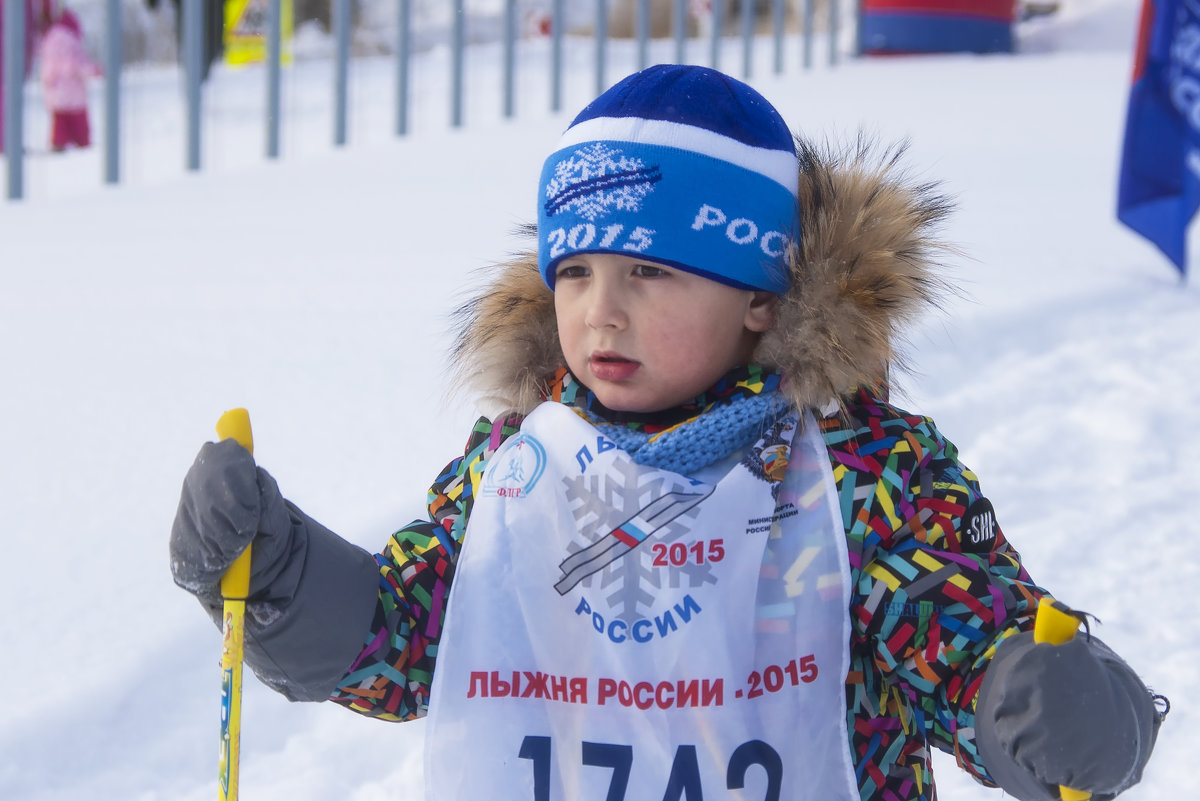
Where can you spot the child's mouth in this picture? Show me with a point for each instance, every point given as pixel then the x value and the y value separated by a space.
pixel 612 366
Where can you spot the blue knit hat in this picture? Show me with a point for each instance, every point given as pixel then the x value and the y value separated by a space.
pixel 682 165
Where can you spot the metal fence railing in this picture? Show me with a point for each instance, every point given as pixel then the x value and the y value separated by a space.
pixel 776 24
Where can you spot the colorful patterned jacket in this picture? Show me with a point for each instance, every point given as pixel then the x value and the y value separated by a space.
pixel 937 586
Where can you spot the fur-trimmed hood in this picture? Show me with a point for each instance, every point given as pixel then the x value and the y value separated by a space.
pixel 866 264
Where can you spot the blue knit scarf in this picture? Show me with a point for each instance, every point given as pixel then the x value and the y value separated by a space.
pixel 728 417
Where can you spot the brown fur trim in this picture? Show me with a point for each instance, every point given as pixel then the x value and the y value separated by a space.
pixel 866 265
pixel 506 350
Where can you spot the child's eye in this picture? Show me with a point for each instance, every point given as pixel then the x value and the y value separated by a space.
pixel 649 271
pixel 571 271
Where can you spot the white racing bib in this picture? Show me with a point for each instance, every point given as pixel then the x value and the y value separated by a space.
pixel 619 632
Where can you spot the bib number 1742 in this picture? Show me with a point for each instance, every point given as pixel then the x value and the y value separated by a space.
pixel 683 782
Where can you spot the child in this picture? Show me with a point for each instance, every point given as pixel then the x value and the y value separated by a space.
pixel 699 553
pixel 65 68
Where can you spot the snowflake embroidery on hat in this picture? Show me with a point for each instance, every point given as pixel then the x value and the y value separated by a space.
pixel 596 180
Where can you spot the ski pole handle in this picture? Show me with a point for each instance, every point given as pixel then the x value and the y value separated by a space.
pixel 1056 625
pixel 235 586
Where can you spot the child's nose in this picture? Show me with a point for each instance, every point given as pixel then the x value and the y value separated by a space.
pixel 605 308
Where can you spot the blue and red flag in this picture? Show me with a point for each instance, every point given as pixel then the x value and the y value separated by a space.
pixel 1159 188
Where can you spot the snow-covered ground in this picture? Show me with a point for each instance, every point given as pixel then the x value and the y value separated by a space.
pixel 315 290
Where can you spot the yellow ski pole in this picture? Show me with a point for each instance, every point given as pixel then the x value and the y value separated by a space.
pixel 1056 625
pixel 235 586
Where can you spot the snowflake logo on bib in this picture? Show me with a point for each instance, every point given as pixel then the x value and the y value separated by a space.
pixel 596 180
pixel 620 516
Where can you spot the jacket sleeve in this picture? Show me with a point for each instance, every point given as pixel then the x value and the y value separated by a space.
pixel 937 586
pixel 391 676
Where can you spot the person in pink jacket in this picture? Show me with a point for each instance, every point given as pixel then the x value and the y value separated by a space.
pixel 65 68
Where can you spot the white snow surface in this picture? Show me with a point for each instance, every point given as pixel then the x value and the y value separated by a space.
pixel 316 291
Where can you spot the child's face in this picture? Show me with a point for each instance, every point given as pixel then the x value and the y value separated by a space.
pixel 646 337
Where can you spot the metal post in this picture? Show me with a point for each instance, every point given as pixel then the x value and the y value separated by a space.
pixel 510 56
pixel 193 68
pixel 777 21
pixel 403 40
pixel 748 38
pixel 458 27
pixel 556 55
pixel 858 42
pixel 274 78
pixel 112 92
pixel 679 29
pixel 601 46
pixel 14 97
pixel 341 68
pixel 808 33
pixel 643 33
pixel 718 12
pixel 834 24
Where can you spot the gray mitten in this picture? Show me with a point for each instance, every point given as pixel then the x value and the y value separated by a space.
pixel 1073 715
pixel 312 594
pixel 227 502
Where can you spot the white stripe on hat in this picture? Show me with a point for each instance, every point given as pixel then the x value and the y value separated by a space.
pixel 780 166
